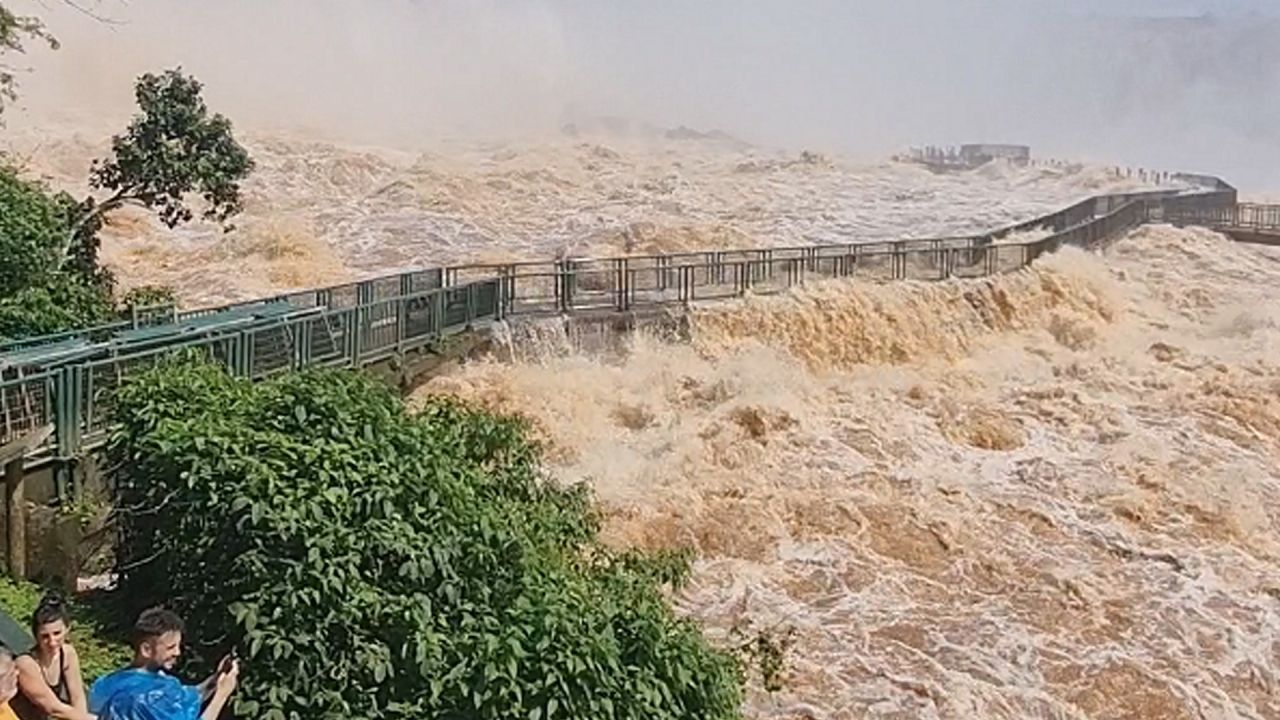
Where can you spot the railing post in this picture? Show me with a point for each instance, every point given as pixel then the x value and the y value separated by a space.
pixel 237 358
pixel 508 286
pixel 437 313
pixel 619 272
pixel 795 271
pixel 471 305
pixel 67 435
pixel 499 298
pixel 302 343
pixel 364 298
pixel 16 517
pixel 66 409
pixel 570 284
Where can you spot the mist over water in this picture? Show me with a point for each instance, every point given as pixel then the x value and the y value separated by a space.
pixel 1132 83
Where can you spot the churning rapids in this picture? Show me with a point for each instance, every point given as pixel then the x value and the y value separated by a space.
pixel 1050 494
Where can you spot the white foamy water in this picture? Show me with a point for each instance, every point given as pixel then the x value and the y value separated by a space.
pixel 1047 495
pixel 320 213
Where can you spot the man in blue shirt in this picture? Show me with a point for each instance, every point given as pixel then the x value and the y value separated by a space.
pixel 146 691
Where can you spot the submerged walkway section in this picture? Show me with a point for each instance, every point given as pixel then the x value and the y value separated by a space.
pixel 55 391
pixel 1246 222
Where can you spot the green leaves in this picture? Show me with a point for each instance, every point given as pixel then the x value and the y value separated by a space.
pixel 174 147
pixel 50 278
pixel 149 295
pixel 372 563
pixel 40 291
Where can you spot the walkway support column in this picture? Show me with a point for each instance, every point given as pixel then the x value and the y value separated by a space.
pixel 15 503
pixel 13 458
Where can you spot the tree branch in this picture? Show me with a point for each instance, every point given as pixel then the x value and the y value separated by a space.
pixel 86 12
pixel 98 210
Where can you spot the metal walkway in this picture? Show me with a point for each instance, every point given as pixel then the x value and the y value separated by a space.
pixel 64 382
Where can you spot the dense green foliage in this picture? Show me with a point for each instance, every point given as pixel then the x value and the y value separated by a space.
pixel 372 563
pixel 40 291
pixel 149 295
pixel 99 653
pixel 174 147
pixel 50 278
pixel 32 231
pixel 60 302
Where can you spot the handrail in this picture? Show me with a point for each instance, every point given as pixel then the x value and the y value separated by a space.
pixel 361 323
pixel 351 294
pixel 72 397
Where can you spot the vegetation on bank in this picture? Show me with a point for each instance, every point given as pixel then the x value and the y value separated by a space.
pixel 362 560
pixel 174 149
pixel 369 562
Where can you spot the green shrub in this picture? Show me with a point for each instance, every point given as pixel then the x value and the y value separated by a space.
pixel 38 294
pixel 371 563
pixel 149 295
pixel 60 303
pixel 33 229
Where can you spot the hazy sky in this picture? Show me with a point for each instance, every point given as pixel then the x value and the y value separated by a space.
pixel 846 76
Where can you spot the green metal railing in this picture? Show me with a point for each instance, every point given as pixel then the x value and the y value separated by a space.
pixel 74 397
pixel 358 324
pixel 1243 216
pixel 132 318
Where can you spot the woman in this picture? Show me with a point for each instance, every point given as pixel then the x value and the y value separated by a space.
pixel 49 677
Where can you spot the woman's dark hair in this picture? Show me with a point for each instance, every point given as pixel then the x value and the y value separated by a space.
pixel 51 609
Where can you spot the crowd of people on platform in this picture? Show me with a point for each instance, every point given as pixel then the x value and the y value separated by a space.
pixel 45 682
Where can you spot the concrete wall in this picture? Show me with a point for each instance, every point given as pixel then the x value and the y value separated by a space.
pixel 63 544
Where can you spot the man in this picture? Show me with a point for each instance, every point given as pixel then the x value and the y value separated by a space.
pixel 146 691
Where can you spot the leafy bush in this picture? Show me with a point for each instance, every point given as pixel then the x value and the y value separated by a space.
pixel 32 232
pixel 99 653
pixel 149 295
pixel 37 294
pixel 371 563
pixel 60 303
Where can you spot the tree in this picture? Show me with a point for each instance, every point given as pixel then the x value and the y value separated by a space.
pixel 173 148
pixel 32 224
pixel 50 278
pixel 15 30
pixel 41 290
